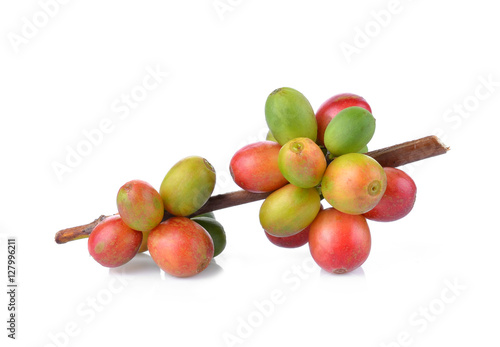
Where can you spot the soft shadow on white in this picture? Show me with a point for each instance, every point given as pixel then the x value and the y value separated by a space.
pixel 213 269
pixel 141 265
pixel 357 274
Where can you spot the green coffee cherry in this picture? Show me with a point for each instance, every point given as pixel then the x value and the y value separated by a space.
pixel 289 115
pixel 349 131
pixel 187 186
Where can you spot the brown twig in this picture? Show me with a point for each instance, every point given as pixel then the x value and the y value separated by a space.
pixel 392 156
pixel 409 152
pixel 79 232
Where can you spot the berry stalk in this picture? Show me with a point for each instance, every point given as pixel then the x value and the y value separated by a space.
pixel 393 156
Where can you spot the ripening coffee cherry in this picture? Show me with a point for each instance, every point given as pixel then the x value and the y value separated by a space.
pixel 289 210
pixel 112 243
pixel 302 162
pixel 181 247
pixel 140 205
pixel 216 231
pixel 187 186
pixel 339 242
pixel 331 107
pixel 349 131
pixel 255 168
pixel 290 115
pixel 354 183
pixel 398 199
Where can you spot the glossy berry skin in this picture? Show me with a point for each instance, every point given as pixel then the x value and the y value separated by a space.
pixel 350 131
pixel 216 231
pixel 140 205
pixel 398 199
pixel 181 247
pixel 289 210
pixel 187 186
pixel 112 243
pixel 293 241
pixel 354 183
pixel 255 168
pixel 290 115
pixel 334 105
pixel 339 242
pixel 302 162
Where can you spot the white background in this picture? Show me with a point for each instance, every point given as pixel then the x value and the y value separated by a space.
pixel 66 72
